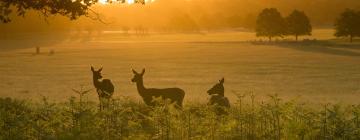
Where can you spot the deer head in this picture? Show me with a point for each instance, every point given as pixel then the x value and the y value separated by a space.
pixel 96 73
pixel 218 88
pixel 137 76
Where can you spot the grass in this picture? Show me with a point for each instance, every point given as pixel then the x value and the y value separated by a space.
pixel 321 71
pixel 127 119
pixel 318 83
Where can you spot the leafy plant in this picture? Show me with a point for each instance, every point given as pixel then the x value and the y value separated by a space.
pixel 127 119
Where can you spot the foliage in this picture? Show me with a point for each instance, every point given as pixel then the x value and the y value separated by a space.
pixel 347 25
pixel 72 9
pixel 298 24
pixel 270 23
pixel 126 119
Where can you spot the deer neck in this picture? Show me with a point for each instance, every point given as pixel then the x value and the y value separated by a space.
pixel 96 82
pixel 140 87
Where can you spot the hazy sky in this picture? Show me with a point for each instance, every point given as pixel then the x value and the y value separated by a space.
pixel 185 15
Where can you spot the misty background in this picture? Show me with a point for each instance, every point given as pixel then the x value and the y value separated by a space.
pixel 182 16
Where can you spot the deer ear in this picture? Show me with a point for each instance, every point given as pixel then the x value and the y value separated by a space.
pixel 143 71
pixel 92 68
pixel 134 71
pixel 100 69
pixel 222 81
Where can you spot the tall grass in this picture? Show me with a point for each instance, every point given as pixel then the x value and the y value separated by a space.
pixel 80 119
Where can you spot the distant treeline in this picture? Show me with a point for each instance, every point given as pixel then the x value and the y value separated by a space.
pixel 270 23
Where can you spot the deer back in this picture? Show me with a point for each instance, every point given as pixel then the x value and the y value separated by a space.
pixel 106 88
pixel 219 100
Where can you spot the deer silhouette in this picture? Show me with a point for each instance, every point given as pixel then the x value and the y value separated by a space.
pixel 217 95
pixel 175 95
pixel 104 87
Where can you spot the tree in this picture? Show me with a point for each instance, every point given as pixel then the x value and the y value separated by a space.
pixel 72 9
pixel 298 24
pixel 270 23
pixel 348 24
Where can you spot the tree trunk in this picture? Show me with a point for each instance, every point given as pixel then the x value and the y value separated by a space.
pixel 351 38
pixel 269 38
pixel 296 38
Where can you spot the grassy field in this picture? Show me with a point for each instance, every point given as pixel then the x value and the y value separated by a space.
pixel 321 71
pixel 278 90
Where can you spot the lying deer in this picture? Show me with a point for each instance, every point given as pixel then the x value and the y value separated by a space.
pixel 217 95
pixel 104 87
pixel 175 95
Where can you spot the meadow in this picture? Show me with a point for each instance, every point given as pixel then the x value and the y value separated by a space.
pixel 319 71
pixel 278 90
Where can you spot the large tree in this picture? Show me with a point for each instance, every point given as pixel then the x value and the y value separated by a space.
pixel 270 23
pixel 348 24
pixel 298 24
pixel 72 9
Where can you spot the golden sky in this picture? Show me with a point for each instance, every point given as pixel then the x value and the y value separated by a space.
pixel 185 14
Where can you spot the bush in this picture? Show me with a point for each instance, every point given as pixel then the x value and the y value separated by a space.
pixel 126 119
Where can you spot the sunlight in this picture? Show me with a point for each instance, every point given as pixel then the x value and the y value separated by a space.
pixel 103 1
pixel 180 69
pixel 149 1
pixel 131 1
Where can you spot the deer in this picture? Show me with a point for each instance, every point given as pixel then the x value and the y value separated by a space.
pixel 104 87
pixel 175 95
pixel 217 97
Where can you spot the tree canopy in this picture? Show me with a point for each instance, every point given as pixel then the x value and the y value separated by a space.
pixel 270 23
pixel 348 24
pixel 298 24
pixel 72 9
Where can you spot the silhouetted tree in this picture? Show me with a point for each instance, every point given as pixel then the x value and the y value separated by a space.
pixel 270 23
pixel 348 24
pixel 72 9
pixel 298 24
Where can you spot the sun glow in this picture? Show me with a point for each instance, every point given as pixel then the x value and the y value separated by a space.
pixel 127 1
pixel 131 1
pixel 103 1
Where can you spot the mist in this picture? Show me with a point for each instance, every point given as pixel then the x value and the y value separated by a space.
pixel 182 16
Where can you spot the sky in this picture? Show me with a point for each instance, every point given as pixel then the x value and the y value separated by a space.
pixel 183 15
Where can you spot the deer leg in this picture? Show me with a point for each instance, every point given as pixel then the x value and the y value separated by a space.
pixel 100 103
pixel 107 103
pixel 103 103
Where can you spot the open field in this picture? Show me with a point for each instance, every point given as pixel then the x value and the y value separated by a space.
pixel 324 71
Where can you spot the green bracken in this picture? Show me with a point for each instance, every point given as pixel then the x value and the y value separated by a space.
pixel 126 119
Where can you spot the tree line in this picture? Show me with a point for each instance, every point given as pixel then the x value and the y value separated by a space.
pixel 348 24
pixel 270 23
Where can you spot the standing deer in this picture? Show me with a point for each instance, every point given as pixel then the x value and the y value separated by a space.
pixel 217 95
pixel 104 87
pixel 175 95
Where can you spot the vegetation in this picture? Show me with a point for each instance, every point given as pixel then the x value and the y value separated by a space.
pixel 126 119
pixel 72 9
pixel 270 23
pixel 298 24
pixel 347 25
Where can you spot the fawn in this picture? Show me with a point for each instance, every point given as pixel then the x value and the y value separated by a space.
pixel 217 95
pixel 104 87
pixel 175 95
